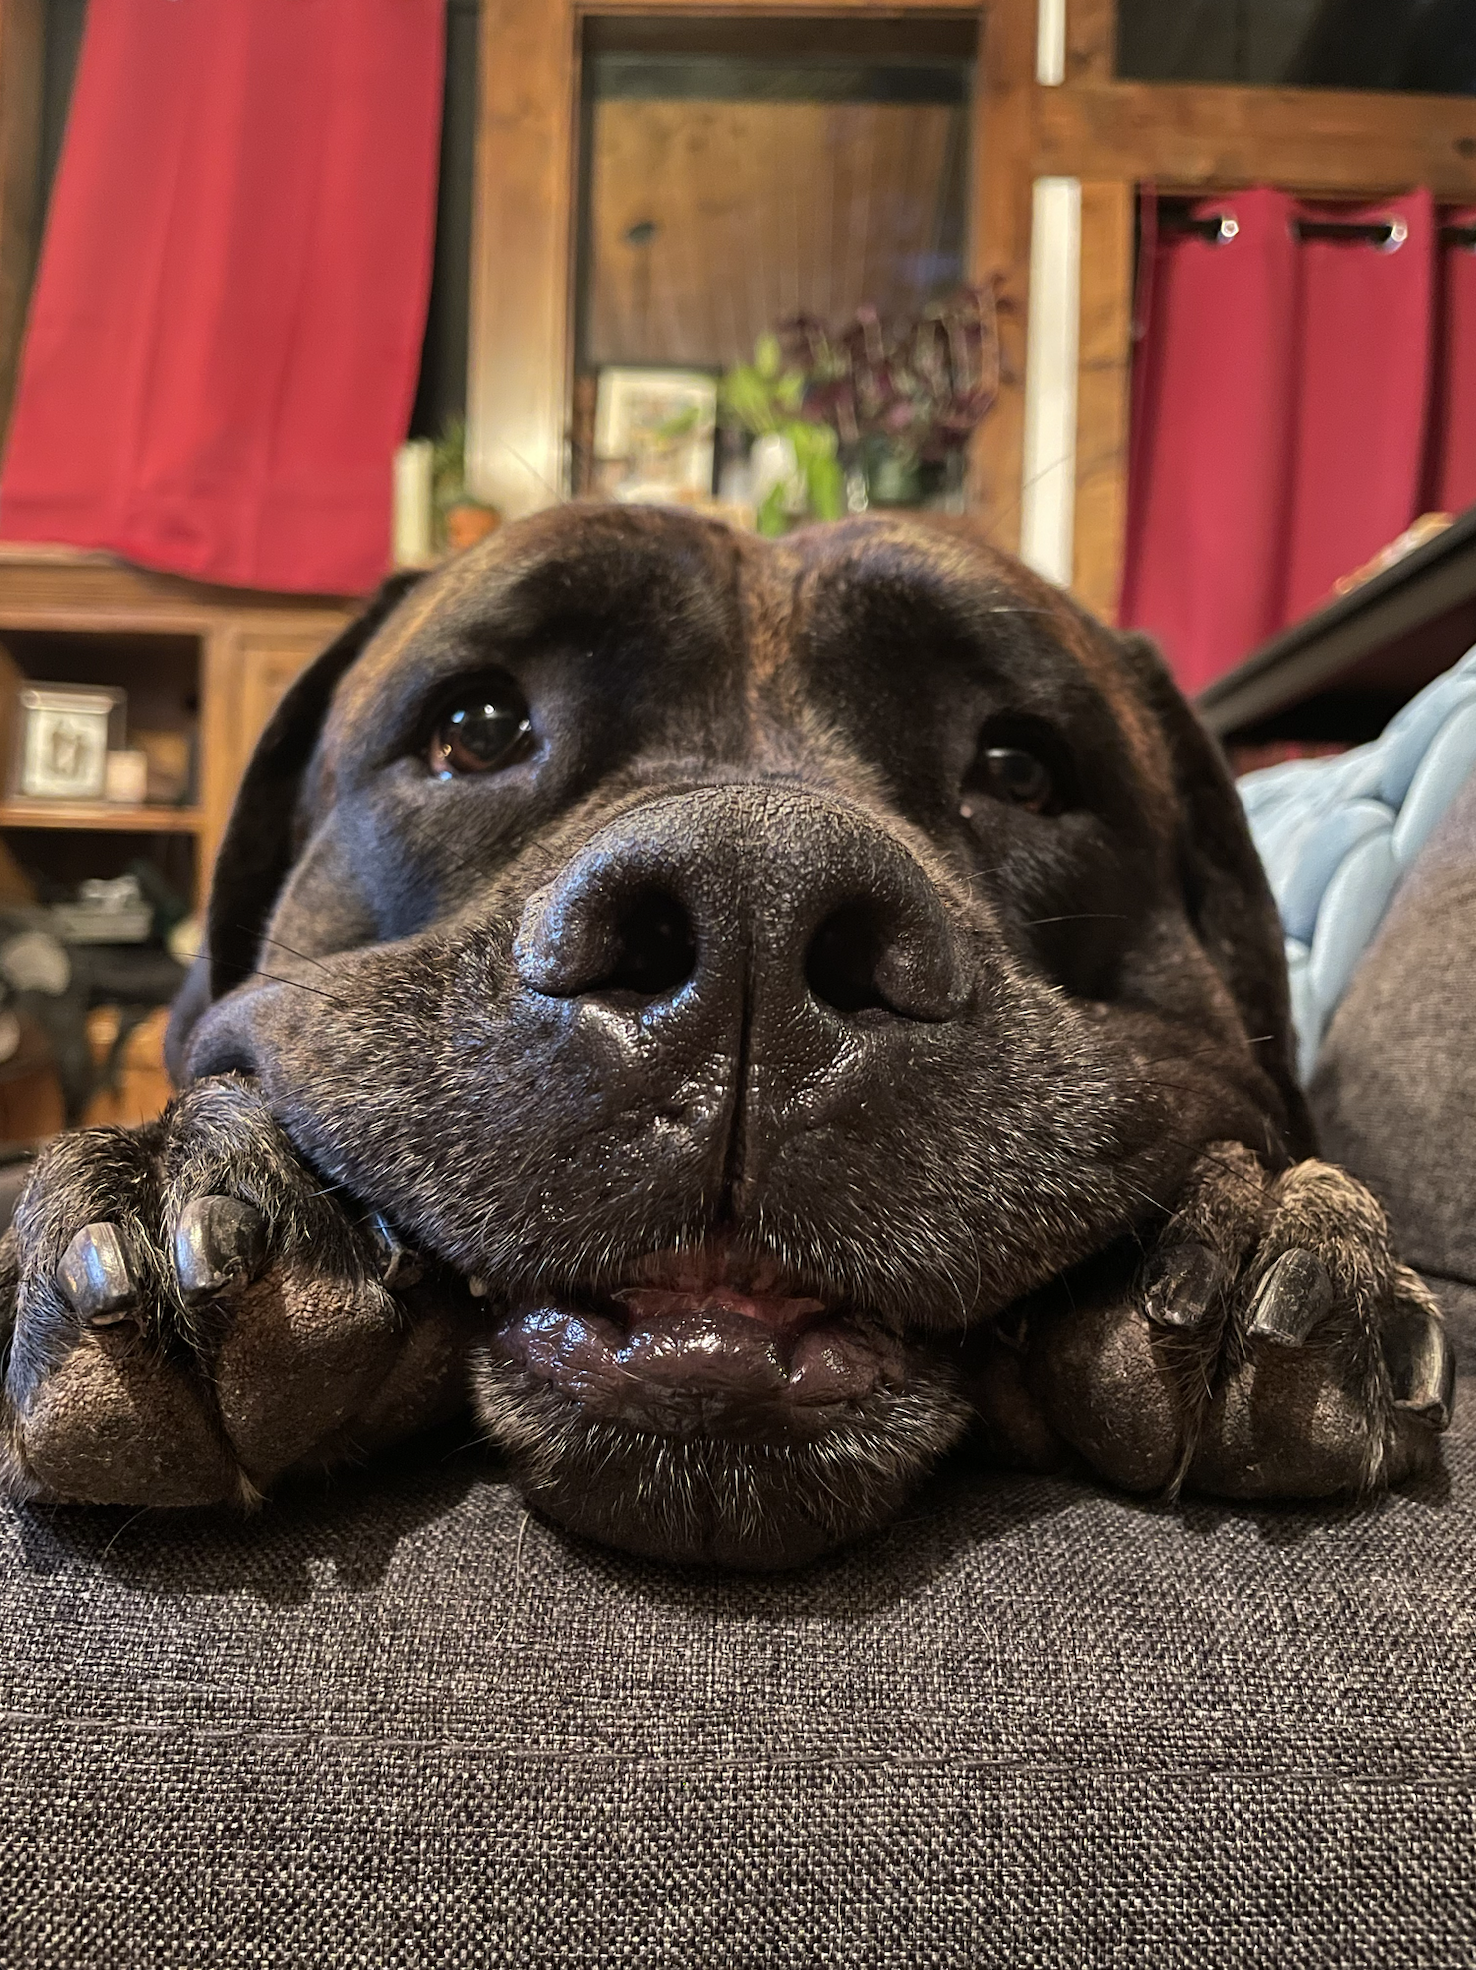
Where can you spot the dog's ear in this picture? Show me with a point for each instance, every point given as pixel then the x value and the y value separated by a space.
pixel 1225 889
pixel 260 837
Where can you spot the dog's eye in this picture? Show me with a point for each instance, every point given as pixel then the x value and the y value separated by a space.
pixel 485 732
pixel 1009 773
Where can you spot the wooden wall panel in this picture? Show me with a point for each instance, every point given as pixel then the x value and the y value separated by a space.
pixel 1004 150
pixel 1104 379
pixel 249 662
pixel 761 211
pixel 518 376
pixel 1091 40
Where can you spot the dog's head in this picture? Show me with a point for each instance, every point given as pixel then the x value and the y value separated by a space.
pixel 755 965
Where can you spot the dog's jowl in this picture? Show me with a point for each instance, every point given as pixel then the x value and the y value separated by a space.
pixel 747 1018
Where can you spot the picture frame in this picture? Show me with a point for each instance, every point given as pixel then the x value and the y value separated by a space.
pixel 65 734
pixel 655 435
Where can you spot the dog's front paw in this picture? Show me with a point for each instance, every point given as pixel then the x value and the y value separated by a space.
pixel 191 1315
pixel 1270 1347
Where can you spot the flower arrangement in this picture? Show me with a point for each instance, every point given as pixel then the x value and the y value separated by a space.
pixel 874 414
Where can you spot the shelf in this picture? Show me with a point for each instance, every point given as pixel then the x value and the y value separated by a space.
pixel 101 817
pixel 1398 630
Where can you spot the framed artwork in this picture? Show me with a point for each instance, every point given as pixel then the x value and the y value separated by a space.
pixel 64 736
pixel 655 431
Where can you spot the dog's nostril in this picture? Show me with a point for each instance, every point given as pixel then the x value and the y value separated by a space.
pixel 655 949
pixel 844 959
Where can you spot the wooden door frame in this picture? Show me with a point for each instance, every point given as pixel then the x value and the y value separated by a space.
pixel 1047 109
pixel 520 375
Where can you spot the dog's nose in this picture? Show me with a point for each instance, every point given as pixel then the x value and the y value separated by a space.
pixel 791 899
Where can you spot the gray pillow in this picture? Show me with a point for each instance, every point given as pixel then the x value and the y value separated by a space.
pixel 1394 1093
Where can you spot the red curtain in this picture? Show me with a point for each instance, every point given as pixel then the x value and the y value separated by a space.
pixel 1451 481
pixel 1282 415
pixel 1362 366
pixel 1212 400
pixel 226 326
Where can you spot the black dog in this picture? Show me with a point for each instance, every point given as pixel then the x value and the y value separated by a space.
pixel 751 1014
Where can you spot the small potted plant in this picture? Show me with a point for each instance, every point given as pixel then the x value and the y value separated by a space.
pixel 461 520
pixel 794 471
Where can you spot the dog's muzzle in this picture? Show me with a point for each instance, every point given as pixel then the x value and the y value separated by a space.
pixel 750 961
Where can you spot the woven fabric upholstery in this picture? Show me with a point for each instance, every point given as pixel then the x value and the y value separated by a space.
pixel 399 1724
pixel 1395 1090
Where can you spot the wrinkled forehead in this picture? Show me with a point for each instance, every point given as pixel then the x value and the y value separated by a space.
pixel 575 576
pixel 689 604
pixel 935 597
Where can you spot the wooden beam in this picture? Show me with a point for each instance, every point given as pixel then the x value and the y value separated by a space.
pixel 522 254
pixel 1339 141
pixel 1103 389
pixel 1004 145
pixel 22 50
pixel 1091 40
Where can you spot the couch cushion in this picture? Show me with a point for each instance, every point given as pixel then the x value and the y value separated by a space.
pixel 1394 1094
pixel 1338 837
pixel 400 1723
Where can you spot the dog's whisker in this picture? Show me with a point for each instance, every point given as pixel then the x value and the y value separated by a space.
pixel 559 498
pixel 306 956
pixel 1079 916
pixel 316 990
pixel 1004 509
pixel 133 1519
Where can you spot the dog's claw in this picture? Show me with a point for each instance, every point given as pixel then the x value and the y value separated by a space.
pixel 94 1276
pixel 398 1265
pixel 1421 1365
pixel 218 1245
pixel 1292 1298
pixel 1181 1285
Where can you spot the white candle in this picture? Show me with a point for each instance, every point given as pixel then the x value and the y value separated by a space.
pixel 414 540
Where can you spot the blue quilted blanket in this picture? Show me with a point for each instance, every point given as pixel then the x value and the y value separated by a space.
pixel 1338 835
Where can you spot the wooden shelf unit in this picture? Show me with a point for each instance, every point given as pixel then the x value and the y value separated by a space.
pixel 95 816
pixel 1344 670
pixel 239 649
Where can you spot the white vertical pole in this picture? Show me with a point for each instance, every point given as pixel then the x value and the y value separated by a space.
pixel 1048 497
pixel 1050 42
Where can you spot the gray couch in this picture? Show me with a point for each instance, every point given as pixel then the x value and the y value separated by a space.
pixel 399 1723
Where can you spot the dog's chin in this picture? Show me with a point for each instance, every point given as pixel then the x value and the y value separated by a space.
pixel 688 1418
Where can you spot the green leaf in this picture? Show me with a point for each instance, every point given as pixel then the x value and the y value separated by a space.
pixel 772 519
pixel 745 396
pixel 768 357
pixel 789 391
pixel 827 485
